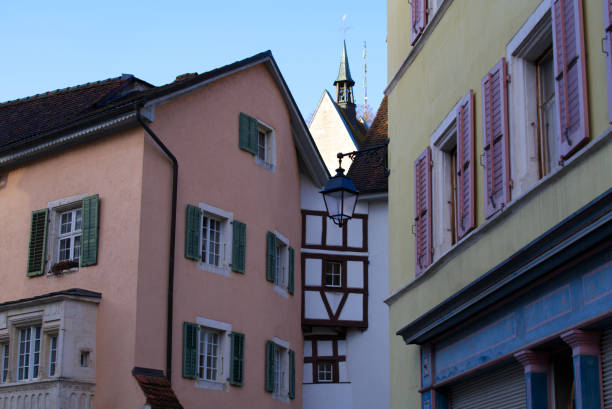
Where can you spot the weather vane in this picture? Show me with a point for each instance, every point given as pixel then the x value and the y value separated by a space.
pixel 344 28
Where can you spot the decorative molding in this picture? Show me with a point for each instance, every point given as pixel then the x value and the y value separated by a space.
pixel 583 342
pixel 532 361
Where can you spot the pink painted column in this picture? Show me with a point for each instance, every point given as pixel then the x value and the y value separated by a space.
pixel 586 354
pixel 535 364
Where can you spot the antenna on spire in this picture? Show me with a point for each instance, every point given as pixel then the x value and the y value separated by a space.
pixel 365 82
pixel 344 28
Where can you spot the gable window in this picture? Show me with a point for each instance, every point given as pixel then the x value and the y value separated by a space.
pixel 333 274
pixel 215 240
pixel 258 139
pixel 4 362
pixel 29 353
pixel 280 260
pixel 52 354
pixel 69 241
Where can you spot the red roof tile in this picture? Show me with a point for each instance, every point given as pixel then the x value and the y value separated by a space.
pixel 156 388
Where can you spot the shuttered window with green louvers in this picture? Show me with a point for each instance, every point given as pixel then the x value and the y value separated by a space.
pixel 237 359
pixel 291 374
pixel 239 247
pixel 190 349
pixel 270 366
pixel 192 232
pixel 38 241
pixel 291 269
pixel 270 257
pixel 90 225
pixel 248 133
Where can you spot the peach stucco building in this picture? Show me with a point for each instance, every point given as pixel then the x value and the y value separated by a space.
pixel 87 181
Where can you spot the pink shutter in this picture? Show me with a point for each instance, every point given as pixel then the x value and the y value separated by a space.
pixel 570 75
pixel 495 138
pixel 466 219
pixel 422 211
pixel 418 19
pixel 607 4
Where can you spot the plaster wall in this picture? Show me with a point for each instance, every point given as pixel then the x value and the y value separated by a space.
pixel 201 129
pixel 331 134
pixel 330 395
pixel 424 95
pixel 112 168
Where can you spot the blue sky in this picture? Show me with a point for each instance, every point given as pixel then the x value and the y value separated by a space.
pixel 49 45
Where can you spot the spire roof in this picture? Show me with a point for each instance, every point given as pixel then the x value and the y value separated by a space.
pixel 344 75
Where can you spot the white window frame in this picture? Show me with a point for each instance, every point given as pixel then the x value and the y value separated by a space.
pixel 325 372
pixel 223 331
pixel 52 363
pixel 333 274
pixel 4 361
pixel 281 269
pixel 528 44
pixel 56 208
pixel 225 257
pixel 30 355
pixel 71 235
pixel 269 160
pixel 281 372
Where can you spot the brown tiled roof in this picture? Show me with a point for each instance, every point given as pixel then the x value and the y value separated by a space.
pixel 156 388
pixel 25 118
pixel 370 177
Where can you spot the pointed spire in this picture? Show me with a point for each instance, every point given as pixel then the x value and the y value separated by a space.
pixel 344 75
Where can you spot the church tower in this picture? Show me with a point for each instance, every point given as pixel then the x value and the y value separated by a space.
pixel 344 87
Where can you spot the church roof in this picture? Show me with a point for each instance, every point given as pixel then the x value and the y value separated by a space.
pixel 344 75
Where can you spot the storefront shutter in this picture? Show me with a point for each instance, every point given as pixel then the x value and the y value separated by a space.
pixel 237 359
pixel 270 256
pixel 418 19
pixel 270 366
pixel 500 388
pixel 238 246
pixel 495 138
pixel 291 374
pixel 606 367
pixel 465 166
pixel 38 242
pixel 192 232
pixel 422 211
pixel 607 12
pixel 291 270
pixel 89 243
pixel 190 349
pixel 570 75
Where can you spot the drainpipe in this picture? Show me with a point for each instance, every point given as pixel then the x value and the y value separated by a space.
pixel 172 243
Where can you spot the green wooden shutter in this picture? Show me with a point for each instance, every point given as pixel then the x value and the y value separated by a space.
pixel 239 247
pixel 248 133
pixel 237 359
pixel 190 349
pixel 192 232
pixel 270 366
pixel 89 240
pixel 291 374
pixel 38 242
pixel 271 257
pixel 291 269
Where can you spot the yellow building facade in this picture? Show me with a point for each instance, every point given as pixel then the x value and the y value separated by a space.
pixel 489 72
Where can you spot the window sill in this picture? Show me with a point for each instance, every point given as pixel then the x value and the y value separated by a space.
pixel 212 385
pixel 281 290
pixel 506 211
pixel 266 165
pixel 224 271
pixel 51 274
pixel 283 398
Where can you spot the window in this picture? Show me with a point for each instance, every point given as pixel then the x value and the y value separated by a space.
pixel 265 152
pixel 52 354
pixel 280 369
pixel 215 240
pixel 280 260
pixel 84 359
pixel 213 354
pixel 29 353
pixel 4 362
pixel 258 139
pixel 548 129
pixel 325 371
pixel 69 241
pixel 333 274
pixel 64 235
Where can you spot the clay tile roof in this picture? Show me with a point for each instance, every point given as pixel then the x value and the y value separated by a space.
pixel 156 388
pixel 25 118
pixel 369 177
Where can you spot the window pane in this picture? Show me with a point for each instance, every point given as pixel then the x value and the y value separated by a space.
pixel 325 372
pixel 36 334
pixel 77 223
pixel 64 249
pixel 52 354
pixel 66 223
pixel 549 152
pixel 333 271
pixel 214 242
pixel 4 363
pixel 204 238
pixel 76 253
pixel 261 146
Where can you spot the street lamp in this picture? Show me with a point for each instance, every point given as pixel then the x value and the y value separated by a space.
pixel 340 194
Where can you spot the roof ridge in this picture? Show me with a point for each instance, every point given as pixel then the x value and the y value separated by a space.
pixel 63 90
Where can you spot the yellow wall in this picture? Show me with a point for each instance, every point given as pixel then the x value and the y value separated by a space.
pixel 471 37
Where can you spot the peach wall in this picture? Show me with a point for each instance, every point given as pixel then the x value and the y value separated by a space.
pixel 201 129
pixel 112 168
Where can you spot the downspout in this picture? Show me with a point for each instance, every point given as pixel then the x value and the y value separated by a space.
pixel 172 243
